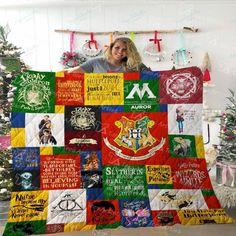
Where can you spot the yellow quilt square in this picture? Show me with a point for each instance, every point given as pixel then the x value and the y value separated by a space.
pixel 59 109
pixel 80 226
pixel 158 174
pixel 199 146
pixel 104 89
pixel 60 74
pixel 18 137
pixel 200 216
pixel 46 150
pixel 28 206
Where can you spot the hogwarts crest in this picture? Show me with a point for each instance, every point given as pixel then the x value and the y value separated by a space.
pixel 135 135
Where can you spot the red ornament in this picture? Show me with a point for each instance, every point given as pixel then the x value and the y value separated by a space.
pixel 206 76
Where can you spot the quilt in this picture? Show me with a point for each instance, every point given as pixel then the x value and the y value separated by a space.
pixel 95 151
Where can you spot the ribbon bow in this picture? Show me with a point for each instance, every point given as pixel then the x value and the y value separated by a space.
pixel 156 41
pixel 92 41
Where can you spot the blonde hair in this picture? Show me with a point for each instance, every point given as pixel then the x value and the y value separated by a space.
pixel 133 57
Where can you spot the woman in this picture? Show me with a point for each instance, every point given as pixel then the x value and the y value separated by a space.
pixel 121 56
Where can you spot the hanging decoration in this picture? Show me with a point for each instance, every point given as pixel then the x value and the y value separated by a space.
pixel 110 41
pixel 181 57
pixel 153 48
pixel 91 47
pixel 206 68
pixel 132 35
pixel 71 59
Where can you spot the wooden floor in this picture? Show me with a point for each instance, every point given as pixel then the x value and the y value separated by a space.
pixel 193 230
pixel 180 230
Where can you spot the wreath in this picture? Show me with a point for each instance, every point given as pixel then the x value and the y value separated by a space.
pixel 71 58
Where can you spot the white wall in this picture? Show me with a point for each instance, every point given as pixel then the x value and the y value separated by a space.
pixel 33 29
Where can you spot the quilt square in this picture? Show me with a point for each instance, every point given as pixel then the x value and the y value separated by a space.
pixel 26 158
pixel 185 119
pixel 103 212
pixel 25 228
pixel 181 86
pixel 35 92
pixel 159 174
pixel 124 182
pixel 44 129
pixel 28 206
pixel 60 171
pixel 165 217
pixel 135 138
pixel 17 120
pixel 70 89
pixel 66 206
pixel 135 213
pixel 170 199
pixel 182 146
pixel 104 89
pixel 189 174
pixel 26 180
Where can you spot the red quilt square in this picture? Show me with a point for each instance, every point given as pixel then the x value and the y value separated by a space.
pixel 129 138
pixel 60 171
pixel 103 212
pixel 165 218
pixel 181 86
pixel 131 76
pixel 212 202
pixel 189 173
pixel 70 89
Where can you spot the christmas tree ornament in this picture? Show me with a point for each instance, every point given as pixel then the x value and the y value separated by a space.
pixel 206 68
pixel 91 47
pixel 181 57
pixel 71 59
pixel 154 49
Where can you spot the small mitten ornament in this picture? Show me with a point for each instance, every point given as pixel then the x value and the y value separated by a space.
pixel 206 68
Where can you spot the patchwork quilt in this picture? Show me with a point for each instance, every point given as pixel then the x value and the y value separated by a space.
pixel 94 151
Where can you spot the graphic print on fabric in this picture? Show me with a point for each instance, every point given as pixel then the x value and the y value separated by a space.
pixel 99 151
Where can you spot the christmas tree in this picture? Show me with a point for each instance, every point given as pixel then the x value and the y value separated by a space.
pixel 10 66
pixel 228 130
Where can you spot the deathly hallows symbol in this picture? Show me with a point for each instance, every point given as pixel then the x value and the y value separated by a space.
pixel 67 203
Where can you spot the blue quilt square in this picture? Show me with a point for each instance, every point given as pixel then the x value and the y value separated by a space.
pixel 149 75
pixel 135 213
pixel 17 120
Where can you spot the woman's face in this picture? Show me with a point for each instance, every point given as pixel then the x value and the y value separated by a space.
pixel 119 51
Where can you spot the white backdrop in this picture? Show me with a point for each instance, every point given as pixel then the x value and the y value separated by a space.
pixel 33 29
